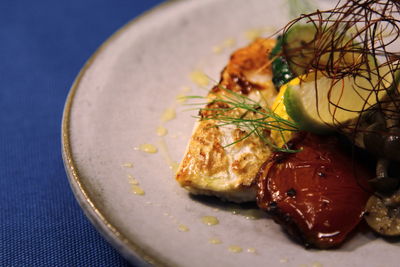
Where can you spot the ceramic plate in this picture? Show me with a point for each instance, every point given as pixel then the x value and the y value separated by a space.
pixel 116 105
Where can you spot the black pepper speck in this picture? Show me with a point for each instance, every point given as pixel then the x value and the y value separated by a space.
pixel 291 192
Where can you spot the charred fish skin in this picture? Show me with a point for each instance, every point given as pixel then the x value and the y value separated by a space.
pixel 210 165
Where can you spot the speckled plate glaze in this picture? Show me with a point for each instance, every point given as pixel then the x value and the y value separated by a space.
pixel 116 104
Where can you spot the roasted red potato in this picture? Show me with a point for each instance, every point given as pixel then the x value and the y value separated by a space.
pixel 317 194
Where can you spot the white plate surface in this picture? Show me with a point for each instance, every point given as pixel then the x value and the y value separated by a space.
pixel 116 104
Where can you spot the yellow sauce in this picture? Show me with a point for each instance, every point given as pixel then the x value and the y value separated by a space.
pixel 137 190
pixel 249 214
pixel 132 180
pixel 251 250
pixel 230 42
pixel 127 165
pixel 316 264
pixel 217 49
pixel 173 165
pixel 168 114
pixel 161 131
pixel 209 220
pixel 148 148
pixel 235 249
pixel 199 78
pixel 183 228
pixel 253 214
pixel 214 241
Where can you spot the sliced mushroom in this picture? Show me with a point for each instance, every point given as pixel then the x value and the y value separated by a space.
pixel 383 214
pixel 374 138
pixel 392 145
pixel 382 139
pixel 383 183
pixel 383 142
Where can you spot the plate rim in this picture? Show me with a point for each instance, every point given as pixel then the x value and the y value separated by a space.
pixel 129 249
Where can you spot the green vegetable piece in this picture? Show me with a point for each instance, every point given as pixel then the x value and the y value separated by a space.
pixel 280 68
pixel 298 47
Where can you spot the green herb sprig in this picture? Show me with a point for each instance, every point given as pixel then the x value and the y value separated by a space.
pixel 263 117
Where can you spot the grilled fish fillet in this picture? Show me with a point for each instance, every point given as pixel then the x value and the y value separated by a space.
pixel 209 166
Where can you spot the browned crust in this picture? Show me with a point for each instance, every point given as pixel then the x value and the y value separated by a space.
pixel 209 168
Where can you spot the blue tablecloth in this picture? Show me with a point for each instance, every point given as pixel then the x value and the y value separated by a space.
pixel 43 45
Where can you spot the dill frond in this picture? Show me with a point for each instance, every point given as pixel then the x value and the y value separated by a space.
pixel 231 108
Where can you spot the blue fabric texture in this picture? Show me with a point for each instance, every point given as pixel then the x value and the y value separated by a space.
pixel 43 45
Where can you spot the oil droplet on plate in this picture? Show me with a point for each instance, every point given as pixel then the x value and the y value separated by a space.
pixel 132 180
pixel 137 190
pixel 253 214
pixel 209 220
pixel 127 165
pixel 183 228
pixel 168 114
pixel 214 241
pixel 148 148
pixel 251 250
pixel 217 49
pixel 284 260
pixel 316 264
pixel 229 42
pixel 235 249
pixel 199 78
pixel 161 131
pixel 174 166
pixel 234 209
pixel 235 212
